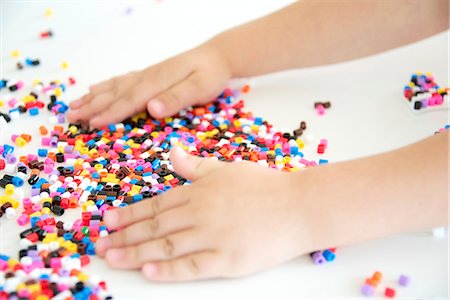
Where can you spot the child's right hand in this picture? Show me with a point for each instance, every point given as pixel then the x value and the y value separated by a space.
pixel 194 77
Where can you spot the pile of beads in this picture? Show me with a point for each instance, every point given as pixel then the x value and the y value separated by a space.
pixel 129 162
pixel 370 285
pixel 423 92
pixel 34 101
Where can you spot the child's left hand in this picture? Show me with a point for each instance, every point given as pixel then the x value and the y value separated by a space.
pixel 235 219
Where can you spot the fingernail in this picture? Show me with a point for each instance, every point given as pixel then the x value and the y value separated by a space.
pixel 115 254
pixel 111 218
pixel 156 106
pixel 103 244
pixel 149 270
pixel 180 151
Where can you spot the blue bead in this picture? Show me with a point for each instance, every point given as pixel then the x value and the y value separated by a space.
pixel 17 181
pixel 4 257
pixel 29 61
pixel 42 152
pixel 138 197
pixel 7 149
pixel 67 236
pixel 123 204
pixel 329 256
pixel 34 220
pixel 33 111
pixel 323 161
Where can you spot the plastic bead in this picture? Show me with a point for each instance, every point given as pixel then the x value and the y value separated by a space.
pixel 389 293
pixel 403 280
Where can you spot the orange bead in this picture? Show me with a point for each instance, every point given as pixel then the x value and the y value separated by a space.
pixel 377 276
pixel 246 88
pixel 43 130
pixel 26 137
pixel 58 128
pixel 372 282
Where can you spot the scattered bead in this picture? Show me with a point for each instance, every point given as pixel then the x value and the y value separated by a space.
pixel 403 280
pixel 389 293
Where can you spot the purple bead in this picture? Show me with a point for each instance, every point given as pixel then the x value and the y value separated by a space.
pixel 68 149
pixel 367 290
pixel 60 118
pixel 10 159
pixel 403 280
pixel 54 142
pixel 318 258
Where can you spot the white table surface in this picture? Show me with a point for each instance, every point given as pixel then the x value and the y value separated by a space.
pixel 368 116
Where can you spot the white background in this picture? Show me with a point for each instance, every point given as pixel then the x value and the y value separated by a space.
pixel 368 116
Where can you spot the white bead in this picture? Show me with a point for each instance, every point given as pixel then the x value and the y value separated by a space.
pixel 26 260
pixel 10 213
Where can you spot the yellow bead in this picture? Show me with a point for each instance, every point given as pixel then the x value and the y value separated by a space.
pixel 168 177
pixel 58 92
pixel 9 189
pixel 15 53
pixel 14 203
pixel 1 103
pixel 46 211
pixel 300 143
pixel 42 297
pixel 20 141
pixel 48 12
pixel 64 65
pixel 82 276
pixel 12 262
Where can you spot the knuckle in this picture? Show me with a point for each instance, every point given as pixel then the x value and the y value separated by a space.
pixel 167 248
pixel 192 265
pixel 153 225
pixel 155 206
pixel 172 98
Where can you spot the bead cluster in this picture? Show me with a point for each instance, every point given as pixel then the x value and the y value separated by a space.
pixel 423 92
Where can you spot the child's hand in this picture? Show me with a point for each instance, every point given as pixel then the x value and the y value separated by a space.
pixel 194 77
pixel 235 219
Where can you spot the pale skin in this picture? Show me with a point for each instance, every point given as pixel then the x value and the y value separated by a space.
pixel 217 226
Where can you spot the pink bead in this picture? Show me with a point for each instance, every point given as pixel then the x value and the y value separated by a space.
pixel 22 220
pixel 320 109
pixel 304 161
pixel 12 102
pixel 26 201
pixel 324 142
pixel 55 262
pixel 14 137
pixel 45 141
pixel 19 84
pixel 431 101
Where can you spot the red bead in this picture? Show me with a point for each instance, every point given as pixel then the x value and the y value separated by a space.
pixel 2 164
pixel 390 293
pixel 321 148
pixel 34 237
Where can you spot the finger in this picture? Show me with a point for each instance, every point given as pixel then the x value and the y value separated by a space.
pixel 104 85
pixel 161 225
pixel 168 247
pixel 191 166
pixel 191 90
pixel 142 210
pixel 195 266
pixel 74 104
pixel 97 104
pixel 118 111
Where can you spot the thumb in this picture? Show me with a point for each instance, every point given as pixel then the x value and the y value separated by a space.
pixel 190 166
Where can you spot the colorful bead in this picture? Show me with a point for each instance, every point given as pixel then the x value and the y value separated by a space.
pixel 403 280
